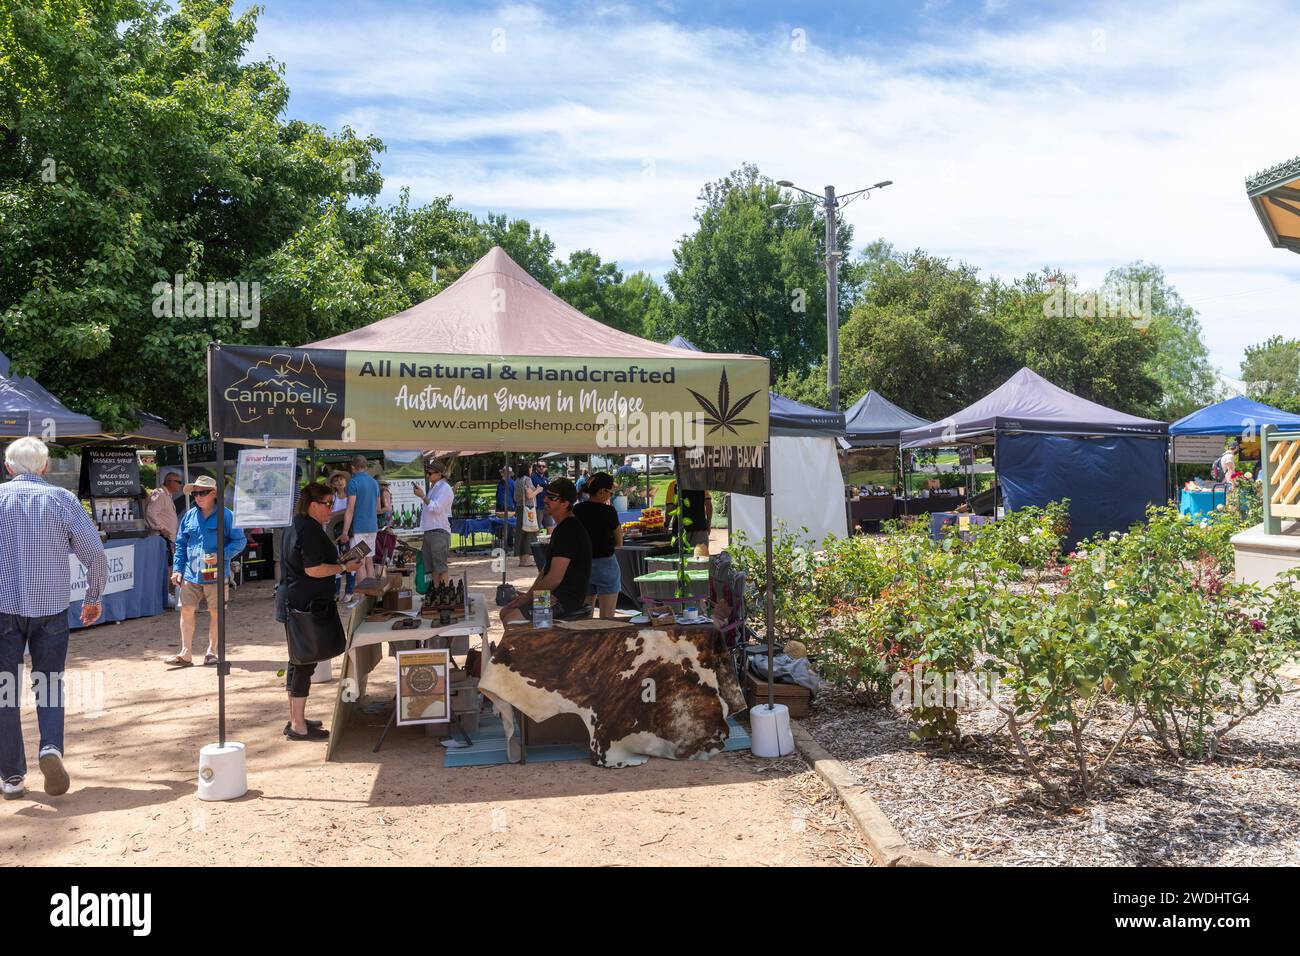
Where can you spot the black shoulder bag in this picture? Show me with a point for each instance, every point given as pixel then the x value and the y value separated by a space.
pixel 315 634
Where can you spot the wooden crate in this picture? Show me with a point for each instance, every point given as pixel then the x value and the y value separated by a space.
pixel 798 699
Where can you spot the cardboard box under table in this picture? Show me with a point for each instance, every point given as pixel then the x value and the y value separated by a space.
pixel 365 650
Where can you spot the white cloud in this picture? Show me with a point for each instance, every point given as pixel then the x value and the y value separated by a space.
pixel 1084 142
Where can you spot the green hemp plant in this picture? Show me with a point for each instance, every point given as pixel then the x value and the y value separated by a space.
pixel 679 539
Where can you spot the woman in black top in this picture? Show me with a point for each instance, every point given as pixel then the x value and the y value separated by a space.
pixel 601 521
pixel 308 569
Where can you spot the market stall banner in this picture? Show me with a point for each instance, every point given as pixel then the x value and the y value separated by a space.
pixel 738 470
pixel 521 403
pixel 121 572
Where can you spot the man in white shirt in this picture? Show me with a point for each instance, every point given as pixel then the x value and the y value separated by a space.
pixel 435 522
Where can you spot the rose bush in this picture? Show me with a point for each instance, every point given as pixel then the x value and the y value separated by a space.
pixel 1146 624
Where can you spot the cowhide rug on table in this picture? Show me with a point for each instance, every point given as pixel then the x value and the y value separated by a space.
pixel 649 692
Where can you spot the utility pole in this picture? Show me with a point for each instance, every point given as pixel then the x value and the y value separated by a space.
pixel 832 303
pixel 830 203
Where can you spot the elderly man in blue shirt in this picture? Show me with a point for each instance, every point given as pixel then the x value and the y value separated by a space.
pixel 39 525
pixel 196 548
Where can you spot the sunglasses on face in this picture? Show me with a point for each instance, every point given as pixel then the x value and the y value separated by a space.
pixel 203 494
pixel 551 496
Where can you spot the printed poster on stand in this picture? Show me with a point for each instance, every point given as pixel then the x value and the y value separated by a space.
pixel 423 687
pixel 264 487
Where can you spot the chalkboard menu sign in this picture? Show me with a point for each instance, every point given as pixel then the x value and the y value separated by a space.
pixel 966 455
pixel 111 472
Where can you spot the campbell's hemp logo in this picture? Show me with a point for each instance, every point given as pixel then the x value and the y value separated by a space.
pixel 723 414
pixel 283 387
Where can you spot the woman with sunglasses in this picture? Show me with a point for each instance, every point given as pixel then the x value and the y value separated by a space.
pixel 308 567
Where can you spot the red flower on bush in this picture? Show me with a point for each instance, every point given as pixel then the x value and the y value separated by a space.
pixel 1257 624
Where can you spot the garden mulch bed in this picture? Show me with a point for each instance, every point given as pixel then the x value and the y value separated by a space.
pixel 978 802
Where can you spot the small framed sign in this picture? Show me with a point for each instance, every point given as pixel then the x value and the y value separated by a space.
pixel 423 688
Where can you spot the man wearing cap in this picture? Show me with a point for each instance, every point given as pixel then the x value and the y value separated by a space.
pixel 435 521
pixel 568 561
pixel 196 538
pixel 361 521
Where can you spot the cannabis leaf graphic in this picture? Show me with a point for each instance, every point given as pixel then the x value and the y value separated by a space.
pixel 723 414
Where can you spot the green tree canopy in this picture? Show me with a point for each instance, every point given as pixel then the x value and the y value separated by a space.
pixel 933 338
pixel 750 278
pixel 138 143
pixel 1179 361
pixel 1271 371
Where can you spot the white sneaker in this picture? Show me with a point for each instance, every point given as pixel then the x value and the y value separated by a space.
pixel 56 775
pixel 13 788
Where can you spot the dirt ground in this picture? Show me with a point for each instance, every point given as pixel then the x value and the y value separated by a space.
pixel 134 769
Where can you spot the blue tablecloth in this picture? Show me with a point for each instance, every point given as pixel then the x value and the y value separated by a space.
pixel 147 595
pixel 1195 503
pixel 468 526
pixel 626 516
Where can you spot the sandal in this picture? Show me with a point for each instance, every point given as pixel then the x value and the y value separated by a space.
pixel 209 659
pixel 288 727
pixel 177 661
pixel 313 733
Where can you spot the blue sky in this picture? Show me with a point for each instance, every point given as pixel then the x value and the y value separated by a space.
pixel 1018 135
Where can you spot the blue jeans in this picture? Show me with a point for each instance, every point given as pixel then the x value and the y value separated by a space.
pixel 46 639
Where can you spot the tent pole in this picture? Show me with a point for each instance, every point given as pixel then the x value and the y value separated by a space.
pixel 1172 470
pixel 769 610
pixel 185 456
pixel 220 611
pixel 681 511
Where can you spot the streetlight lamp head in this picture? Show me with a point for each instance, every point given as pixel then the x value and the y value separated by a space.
pixel 784 182
pixel 887 182
pixel 777 206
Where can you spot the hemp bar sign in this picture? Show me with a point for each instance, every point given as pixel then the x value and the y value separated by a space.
pixel 736 469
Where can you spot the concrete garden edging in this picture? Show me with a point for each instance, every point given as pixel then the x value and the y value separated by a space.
pixel 886 843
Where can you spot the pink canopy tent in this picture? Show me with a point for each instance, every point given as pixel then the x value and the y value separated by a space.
pixel 497 308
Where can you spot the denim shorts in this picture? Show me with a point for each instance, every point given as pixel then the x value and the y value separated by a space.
pixel 605 576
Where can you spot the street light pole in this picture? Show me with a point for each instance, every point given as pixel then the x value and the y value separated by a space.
pixel 832 304
pixel 830 203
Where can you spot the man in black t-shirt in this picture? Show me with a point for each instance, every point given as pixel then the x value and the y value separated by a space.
pixel 568 562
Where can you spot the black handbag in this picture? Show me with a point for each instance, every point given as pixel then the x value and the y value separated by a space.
pixel 316 634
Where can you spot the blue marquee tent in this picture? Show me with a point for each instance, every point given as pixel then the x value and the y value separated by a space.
pixel 875 420
pixel 1234 417
pixel 28 409
pixel 1050 444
